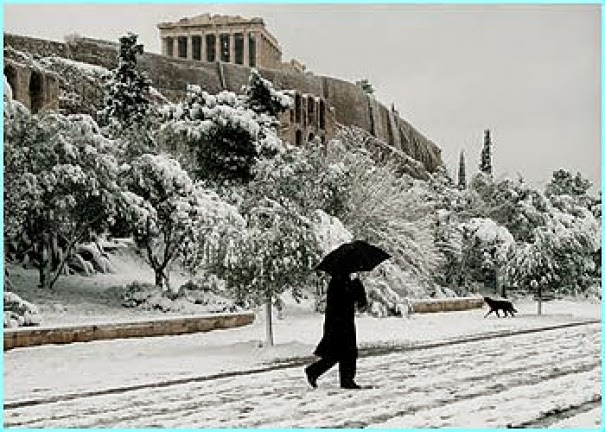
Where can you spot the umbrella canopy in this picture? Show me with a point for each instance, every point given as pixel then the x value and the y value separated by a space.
pixel 352 257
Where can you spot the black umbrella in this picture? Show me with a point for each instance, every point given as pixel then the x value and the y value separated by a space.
pixel 352 257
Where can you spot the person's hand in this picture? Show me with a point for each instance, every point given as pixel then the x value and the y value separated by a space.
pixel 363 308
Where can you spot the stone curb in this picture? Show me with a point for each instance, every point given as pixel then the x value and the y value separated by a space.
pixel 446 304
pixel 26 337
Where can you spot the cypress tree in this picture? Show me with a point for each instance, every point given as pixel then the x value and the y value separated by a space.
pixel 128 91
pixel 486 154
pixel 462 172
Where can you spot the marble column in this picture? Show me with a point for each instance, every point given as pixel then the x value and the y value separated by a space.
pixel 175 46
pixel 204 54
pixel 259 49
pixel 189 47
pixel 164 46
pixel 217 46
pixel 246 61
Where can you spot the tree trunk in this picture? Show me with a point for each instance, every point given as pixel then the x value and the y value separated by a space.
pixel 160 277
pixel 269 323
pixel 499 285
pixel 44 263
pixel 539 300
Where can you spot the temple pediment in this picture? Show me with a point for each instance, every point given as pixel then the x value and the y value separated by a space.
pixel 207 20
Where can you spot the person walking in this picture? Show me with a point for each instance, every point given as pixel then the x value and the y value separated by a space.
pixel 339 343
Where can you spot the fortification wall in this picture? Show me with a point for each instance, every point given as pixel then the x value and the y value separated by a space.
pixel 352 107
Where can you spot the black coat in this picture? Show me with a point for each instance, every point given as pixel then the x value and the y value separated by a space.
pixel 339 339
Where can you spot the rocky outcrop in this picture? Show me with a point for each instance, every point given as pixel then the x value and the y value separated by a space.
pixel 352 107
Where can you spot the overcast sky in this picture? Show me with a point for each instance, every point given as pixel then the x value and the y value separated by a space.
pixel 531 74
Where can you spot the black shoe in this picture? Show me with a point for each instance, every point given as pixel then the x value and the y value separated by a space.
pixel 311 378
pixel 351 386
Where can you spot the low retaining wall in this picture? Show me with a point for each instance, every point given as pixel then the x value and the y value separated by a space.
pixel 446 304
pixel 24 337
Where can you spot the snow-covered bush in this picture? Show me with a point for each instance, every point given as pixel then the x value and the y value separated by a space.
pixel 448 239
pixel 329 231
pixel 276 252
pixel 60 185
pixel 390 211
pixel 172 218
pixel 190 298
pixel 18 312
pixel 512 204
pixel 305 178
pixel 563 255
pixel 485 249
pixel 387 287
pixel 209 291
pixel 263 98
pixel 90 258
pixel 226 138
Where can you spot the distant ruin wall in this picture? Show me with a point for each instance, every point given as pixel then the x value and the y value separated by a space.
pixel 352 107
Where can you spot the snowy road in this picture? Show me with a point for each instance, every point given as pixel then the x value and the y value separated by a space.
pixel 489 383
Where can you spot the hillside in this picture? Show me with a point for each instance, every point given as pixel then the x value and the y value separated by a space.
pixel 170 76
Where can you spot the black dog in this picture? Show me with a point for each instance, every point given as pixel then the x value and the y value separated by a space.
pixel 496 305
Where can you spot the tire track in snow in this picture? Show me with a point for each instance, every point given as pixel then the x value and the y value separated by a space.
pixel 228 403
pixel 555 415
pixel 289 363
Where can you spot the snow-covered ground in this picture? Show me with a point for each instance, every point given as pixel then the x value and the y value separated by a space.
pixel 55 370
pixel 487 383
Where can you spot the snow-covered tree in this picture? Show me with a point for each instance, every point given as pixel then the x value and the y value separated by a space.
pixel 533 264
pixel 561 256
pixel 461 172
pixel 390 211
pixel 60 185
pixel 128 110
pixel 448 240
pixel 305 178
pixel 277 252
pixel 511 203
pixel 225 137
pixel 485 166
pixel 485 248
pixel 171 216
pixel 564 183
pixel 565 187
pixel 262 97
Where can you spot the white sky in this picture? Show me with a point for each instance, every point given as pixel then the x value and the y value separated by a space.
pixel 529 73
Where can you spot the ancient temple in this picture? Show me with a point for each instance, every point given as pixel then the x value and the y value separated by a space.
pixel 228 39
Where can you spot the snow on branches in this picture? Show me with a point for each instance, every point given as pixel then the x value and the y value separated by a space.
pixel 262 97
pixel 225 135
pixel 171 216
pixel 60 185
pixel 127 91
pixel 277 251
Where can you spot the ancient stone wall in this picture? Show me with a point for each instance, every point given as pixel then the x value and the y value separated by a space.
pixel 352 107
pixel 36 89
pixel 350 103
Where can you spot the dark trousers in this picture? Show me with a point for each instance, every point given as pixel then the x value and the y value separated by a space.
pixel 347 368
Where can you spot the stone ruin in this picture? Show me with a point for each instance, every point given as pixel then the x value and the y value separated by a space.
pixel 321 103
